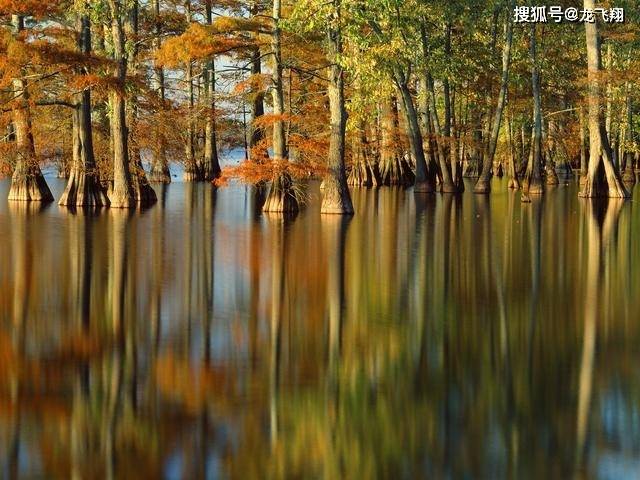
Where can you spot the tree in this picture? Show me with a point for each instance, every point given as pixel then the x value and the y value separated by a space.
pixel 281 197
pixel 27 182
pixel 337 198
pixel 484 182
pixel 83 187
pixel 603 178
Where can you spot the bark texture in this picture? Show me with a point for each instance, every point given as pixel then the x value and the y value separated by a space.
pixel 83 187
pixel 336 197
pixel 27 182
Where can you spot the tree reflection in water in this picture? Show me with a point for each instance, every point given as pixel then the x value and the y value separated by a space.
pixel 440 336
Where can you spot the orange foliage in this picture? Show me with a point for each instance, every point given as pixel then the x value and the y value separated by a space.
pixel 199 42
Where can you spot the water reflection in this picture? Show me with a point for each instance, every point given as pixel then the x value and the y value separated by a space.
pixel 443 336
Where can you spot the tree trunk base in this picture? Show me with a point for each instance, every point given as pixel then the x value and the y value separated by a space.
pixel 29 188
pixel 552 177
pixel 424 187
pixel 160 174
pixel 337 198
pixel 190 176
pixel 482 186
pixel 447 187
pixel 83 191
pixel 281 197
pixel 629 177
pixel 362 174
pixel 210 171
pixel 121 199
pixel 498 170
pixel 396 172
pixel 513 184
pixel 144 194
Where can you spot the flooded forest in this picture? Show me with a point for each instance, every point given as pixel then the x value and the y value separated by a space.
pixel 319 239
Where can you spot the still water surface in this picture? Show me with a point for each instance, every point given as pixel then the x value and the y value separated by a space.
pixel 440 337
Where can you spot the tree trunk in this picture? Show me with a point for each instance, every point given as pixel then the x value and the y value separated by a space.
pixel 159 165
pixel 27 182
pixel 447 186
pixel 532 182
pixel 336 197
pixel 425 174
pixel 121 195
pixel 281 197
pixel 393 169
pixel 143 193
pixel 84 187
pixel 603 178
pixel 629 175
pixel 514 182
pixel 364 172
pixel 484 182
pixel 211 166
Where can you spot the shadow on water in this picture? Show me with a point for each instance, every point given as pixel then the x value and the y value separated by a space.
pixel 426 336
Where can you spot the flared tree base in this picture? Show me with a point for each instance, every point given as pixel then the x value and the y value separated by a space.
pixel 281 197
pixel 532 185
pixel 483 186
pixel 362 174
pixel 160 175
pixel 29 188
pixel 629 177
pixel 336 198
pixel 396 172
pixel 426 186
pixel 191 176
pixel 498 171
pixel 210 172
pixel 551 176
pixel 601 189
pixel 144 194
pixel 83 191
pixel 513 184
pixel 449 187
pixel 121 198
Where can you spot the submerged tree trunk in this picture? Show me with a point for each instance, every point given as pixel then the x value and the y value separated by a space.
pixel 121 195
pixel 363 172
pixel 447 185
pixel 211 166
pixel 159 165
pixel 143 193
pixel 336 197
pixel 84 187
pixel 532 182
pixel 425 177
pixel 603 178
pixel 629 175
pixel 27 182
pixel 512 173
pixel 393 169
pixel 484 182
pixel 281 197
